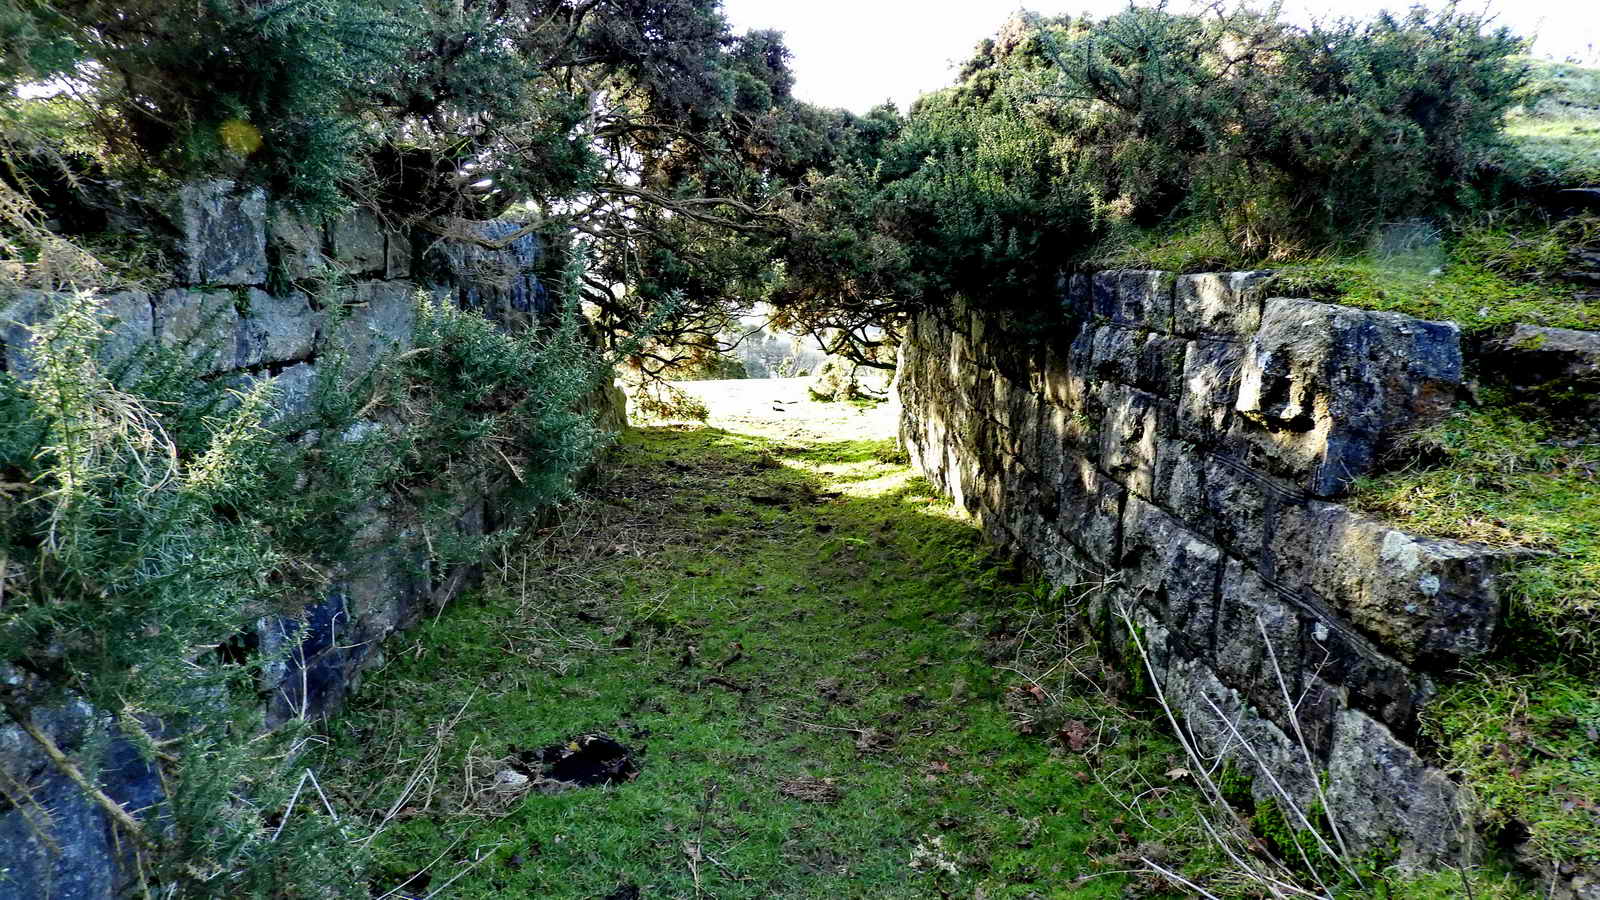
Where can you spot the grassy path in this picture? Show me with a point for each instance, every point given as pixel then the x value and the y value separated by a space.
pixel 820 668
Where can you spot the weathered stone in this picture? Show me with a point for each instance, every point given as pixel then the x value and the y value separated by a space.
pixel 1078 301
pixel 1129 437
pixel 1228 729
pixel 502 283
pixel 1326 390
pixel 359 245
pixel 203 325
pixel 1159 368
pixel 1426 600
pixel 296 244
pixel 1236 503
pixel 54 841
pixel 397 254
pixel 1210 387
pixel 381 320
pixel 1380 790
pixel 1181 485
pixel 1557 366
pixel 1218 304
pixel 223 234
pixel 1170 570
pixel 1258 642
pixel 1089 509
pixel 1144 299
pixel 275 329
pixel 296 388
pixel 1115 354
pixel 128 318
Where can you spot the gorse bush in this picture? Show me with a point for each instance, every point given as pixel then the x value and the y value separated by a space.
pixel 149 515
pixel 1271 140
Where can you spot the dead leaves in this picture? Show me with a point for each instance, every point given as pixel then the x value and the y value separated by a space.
pixel 810 790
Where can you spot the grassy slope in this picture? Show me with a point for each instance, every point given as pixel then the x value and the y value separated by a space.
pixel 833 589
pixel 1558 137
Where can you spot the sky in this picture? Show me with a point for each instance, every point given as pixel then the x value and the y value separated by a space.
pixel 859 53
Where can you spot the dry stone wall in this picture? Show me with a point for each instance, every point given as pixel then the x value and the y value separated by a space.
pixel 1183 443
pixel 226 312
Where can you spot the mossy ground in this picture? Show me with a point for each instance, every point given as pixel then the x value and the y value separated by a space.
pixel 1523 728
pixel 747 613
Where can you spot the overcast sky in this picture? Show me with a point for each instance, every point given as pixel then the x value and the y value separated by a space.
pixel 859 53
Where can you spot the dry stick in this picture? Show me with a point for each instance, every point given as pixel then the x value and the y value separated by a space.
pixel 293 799
pixel 416 774
pixel 459 875
pixel 1179 879
pixel 1283 794
pixel 68 768
pixel 435 861
pixel 1305 750
pixel 1213 793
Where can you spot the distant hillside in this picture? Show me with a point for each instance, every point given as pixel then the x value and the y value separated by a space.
pixel 1558 132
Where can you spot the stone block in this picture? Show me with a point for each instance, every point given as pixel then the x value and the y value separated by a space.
pixel 381 320
pixel 1223 305
pixel 275 329
pixel 1159 369
pixel 1138 299
pixel 1089 510
pixel 1022 425
pixel 1237 508
pixel 128 317
pixel 1181 484
pixel 1209 389
pixel 296 244
pixel 1428 601
pixel 296 389
pixel 1114 355
pixel 1382 794
pixel 1258 648
pixel 1558 368
pixel 203 325
pixel 1078 301
pixel 397 254
pixel 1129 437
pixel 1327 390
pixel 223 234
pixel 1170 570
pixel 359 244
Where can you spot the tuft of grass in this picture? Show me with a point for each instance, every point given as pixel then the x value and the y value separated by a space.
pixel 1491 273
pixel 1494 270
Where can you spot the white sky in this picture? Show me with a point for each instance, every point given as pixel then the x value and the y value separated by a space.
pixel 858 53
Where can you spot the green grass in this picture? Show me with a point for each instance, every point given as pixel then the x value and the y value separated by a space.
pixel 1523 728
pixel 1491 271
pixel 746 614
pixel 1556 137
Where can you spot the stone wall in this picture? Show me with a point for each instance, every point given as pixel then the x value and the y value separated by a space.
pixel 226 311
pixel 1183 443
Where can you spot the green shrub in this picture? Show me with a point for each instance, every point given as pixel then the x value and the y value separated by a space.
pixel 144 525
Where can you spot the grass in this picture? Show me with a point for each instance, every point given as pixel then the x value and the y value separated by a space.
pixel 748 614
pixel 1494 270
pixel 1523 728
pixel 1556 138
